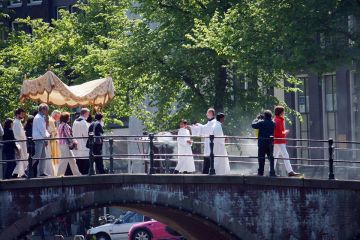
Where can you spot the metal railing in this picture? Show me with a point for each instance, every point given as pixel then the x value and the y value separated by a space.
pixel 328 148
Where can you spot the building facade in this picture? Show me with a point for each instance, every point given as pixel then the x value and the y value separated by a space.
pixel 43 9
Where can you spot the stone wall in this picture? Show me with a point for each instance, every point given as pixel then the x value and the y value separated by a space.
pixel 200 207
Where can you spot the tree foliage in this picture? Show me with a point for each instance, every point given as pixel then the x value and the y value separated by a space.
pixel 174 59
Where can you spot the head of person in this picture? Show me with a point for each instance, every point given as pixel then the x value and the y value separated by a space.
pixel 90 119
pixel 210 114
pixel 220 117
pixel 99 117
pixel 20 113
pixel 65 117
pixel 267 114
pixel 29 120
pixel 85 112
pixel 43 109
pixel 8 123
pixel 183 123
pixel 279 111
pixel 56 115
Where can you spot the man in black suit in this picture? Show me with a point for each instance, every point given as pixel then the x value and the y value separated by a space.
pixel 266 126
pixel 97 128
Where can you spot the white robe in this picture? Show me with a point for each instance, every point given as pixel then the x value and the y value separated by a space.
pixel 19 134
pixel 221 164
pixel 185 163
pixel 204 131
pixel 81 129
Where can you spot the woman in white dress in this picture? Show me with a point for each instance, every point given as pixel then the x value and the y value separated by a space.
pixel 185 163
pixel 221 164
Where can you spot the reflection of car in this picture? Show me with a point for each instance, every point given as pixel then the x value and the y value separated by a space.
pixel 117 230
pixel 153 230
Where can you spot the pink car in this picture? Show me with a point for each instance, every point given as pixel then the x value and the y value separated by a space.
pixel 153 230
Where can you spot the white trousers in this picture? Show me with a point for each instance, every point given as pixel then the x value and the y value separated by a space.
pixel 280 149
pixel 68 158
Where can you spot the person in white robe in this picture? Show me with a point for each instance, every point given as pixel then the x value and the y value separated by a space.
pixel 205 131
pixel 80 129
pixel 185 164
pixel 221 163
pixel 19 134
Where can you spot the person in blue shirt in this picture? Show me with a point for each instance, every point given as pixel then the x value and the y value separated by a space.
pixel 266 126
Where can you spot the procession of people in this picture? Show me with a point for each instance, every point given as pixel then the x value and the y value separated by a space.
pixel 60 149
pixel 54 147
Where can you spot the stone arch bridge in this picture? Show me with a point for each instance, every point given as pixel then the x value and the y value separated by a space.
pixel 198 206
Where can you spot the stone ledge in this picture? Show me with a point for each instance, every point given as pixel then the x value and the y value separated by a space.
pixel 177 179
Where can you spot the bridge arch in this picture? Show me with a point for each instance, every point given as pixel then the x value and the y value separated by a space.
pixel 191 217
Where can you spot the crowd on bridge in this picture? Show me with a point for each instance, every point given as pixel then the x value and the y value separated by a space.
pixel 266 127
pixel 60 149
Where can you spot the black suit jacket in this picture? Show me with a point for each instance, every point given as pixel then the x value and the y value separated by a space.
pixel 98 132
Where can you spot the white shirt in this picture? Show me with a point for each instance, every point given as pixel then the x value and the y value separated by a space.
pixel 81 129
pixel 18 130
pixel 221 164
pixel 205 131
pixel 1 131
pixel 39 130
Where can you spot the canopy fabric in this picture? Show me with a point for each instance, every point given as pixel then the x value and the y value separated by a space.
pixel 49 89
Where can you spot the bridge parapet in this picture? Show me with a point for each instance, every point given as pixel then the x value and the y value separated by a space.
pixel 200 207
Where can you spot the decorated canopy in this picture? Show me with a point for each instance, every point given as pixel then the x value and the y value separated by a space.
pixel 48 88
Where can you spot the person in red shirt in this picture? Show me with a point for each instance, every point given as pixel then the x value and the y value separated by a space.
pixel 280 134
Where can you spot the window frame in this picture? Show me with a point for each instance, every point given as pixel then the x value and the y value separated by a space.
pixel 34 2
pixel 15 5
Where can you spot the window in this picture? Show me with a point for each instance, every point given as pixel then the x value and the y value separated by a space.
pixel 34 2
pixel 74 9
pixel 15 3
pixel 132 218
pixel 58 11
pixel 303 108
pixel 16 26
pixel 330 105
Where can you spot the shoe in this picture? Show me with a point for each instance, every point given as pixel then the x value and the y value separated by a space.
pixel 273 175
pixel 43 175
pixel 294 174
pixel 259 174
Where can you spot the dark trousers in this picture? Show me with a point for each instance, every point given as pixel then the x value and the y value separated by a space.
pixel 99 163
pixel 10 166
pixel 83 165
pixel 206 166
pixel 265 150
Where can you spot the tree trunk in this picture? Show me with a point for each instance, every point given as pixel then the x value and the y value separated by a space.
pixel 220 87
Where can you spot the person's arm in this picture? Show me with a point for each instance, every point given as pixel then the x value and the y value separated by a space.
pixel 41 125
pixel 100 129
pixel 256 124
pixel 1 131
pixel 16 131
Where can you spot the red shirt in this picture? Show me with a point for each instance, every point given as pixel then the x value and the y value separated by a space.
pixel 279 131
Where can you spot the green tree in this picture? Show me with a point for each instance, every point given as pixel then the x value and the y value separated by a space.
pixel 180 57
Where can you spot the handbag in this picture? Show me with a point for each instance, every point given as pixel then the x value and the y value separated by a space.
pixel 97 140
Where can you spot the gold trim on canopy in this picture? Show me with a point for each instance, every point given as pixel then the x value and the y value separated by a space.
pixel 49 89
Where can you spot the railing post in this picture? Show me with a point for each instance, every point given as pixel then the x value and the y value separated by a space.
pixel 331 159
pixel 91 154
pixel 167 160
pixel 272 163
pixel 151 154
pixel 111 150
pixel 30 143
pixel 212 169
